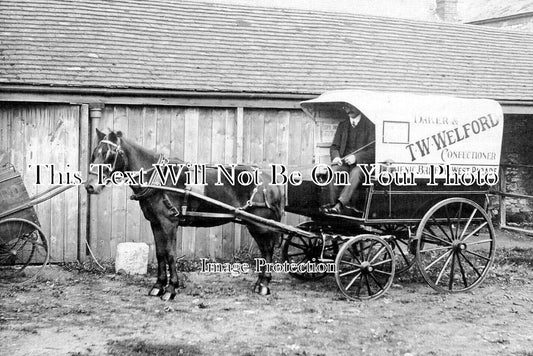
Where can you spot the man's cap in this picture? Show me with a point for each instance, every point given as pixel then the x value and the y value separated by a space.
pixel 350 109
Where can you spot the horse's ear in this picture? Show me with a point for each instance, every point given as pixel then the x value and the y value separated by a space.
pixel 100 135
pixel 119 134
pixel 112 137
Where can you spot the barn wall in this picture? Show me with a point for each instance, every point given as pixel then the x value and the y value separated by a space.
pixel 32 134
pixel 45 134
pixel 198 135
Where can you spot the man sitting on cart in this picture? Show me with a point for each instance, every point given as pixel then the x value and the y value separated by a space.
pixel 353 144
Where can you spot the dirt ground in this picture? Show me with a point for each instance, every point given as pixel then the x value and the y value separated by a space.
pixel 71 310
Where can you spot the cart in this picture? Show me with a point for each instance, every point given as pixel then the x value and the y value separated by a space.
pixel 22 242
pixel 439 221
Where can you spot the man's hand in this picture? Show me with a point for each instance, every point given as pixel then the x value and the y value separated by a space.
pixel 337 161
pixel 350 159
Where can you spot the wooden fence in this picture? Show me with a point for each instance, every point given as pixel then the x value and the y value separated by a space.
pixel 46 134
pixel 33 134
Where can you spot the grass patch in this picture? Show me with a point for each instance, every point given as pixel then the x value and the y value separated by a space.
pixel 514 256
pixel 90 267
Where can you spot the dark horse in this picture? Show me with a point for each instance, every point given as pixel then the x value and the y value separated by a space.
pixel 167 210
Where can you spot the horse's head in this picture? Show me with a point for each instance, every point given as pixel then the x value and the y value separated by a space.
pixel 108 157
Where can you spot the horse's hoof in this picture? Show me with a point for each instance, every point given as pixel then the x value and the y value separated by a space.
pixel 167 296
pixel 261 289
pixel 257 288
pixel 154 292
pixel 264 290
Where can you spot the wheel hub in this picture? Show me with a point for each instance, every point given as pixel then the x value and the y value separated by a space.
pixel 366 267
pixel 458 246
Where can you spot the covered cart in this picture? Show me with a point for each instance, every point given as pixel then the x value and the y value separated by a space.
pixel 425 200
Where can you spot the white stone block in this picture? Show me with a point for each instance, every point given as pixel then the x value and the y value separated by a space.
pixel 132 258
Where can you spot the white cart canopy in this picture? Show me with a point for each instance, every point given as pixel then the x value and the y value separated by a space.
pixel 416 130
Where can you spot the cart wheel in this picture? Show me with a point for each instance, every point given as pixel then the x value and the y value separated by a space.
pixel 455 245
pixel 22 243
pixel 301 250
pixel 400 243
pixel 365 267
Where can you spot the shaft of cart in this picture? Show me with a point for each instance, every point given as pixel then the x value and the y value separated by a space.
pixel 37 199
pixel 238 212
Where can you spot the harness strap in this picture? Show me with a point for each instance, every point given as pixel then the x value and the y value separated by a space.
pixel 147 192
pixel 185 201
pixel 200 214
pixel 265 198
pixel 110 143
pixel 118 152
pixel 168 204
pixel 250 203
pixel 184 213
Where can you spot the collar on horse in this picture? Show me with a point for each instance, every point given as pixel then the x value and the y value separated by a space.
pixel 146 192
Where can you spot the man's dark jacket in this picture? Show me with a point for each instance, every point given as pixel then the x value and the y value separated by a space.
pixel 366 129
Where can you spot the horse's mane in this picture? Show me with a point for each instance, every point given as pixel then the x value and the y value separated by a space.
pixel 146 152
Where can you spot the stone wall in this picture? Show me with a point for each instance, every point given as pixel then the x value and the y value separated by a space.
pixel 517 151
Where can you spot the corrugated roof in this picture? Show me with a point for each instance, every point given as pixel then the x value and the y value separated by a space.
pixel 181 45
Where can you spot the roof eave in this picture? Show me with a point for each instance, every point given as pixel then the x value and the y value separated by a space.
pixel 149 92
pixel 501 18
pixel 76 94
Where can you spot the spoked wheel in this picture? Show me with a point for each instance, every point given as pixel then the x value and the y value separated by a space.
pixel 365 267
pixel 302 250
pixel 400 243
pixel 455 245
pixel 22 244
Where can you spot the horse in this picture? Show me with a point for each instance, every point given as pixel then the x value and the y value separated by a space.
pixel 166 210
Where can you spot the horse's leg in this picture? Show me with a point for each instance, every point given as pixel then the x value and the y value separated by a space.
pixel 169 230
pixel 266 241
pixel 161 254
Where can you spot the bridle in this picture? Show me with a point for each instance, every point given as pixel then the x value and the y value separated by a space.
pixel 116 150
pixel 112 148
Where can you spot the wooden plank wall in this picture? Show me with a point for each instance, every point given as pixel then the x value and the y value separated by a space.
pixel 200 135
pixel 277 136
pixel 32 134
pixel 42 133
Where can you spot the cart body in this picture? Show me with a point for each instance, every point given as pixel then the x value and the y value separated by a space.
pixel 22 242
pixel 13 193
pixel 447 150
pixel 429 138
